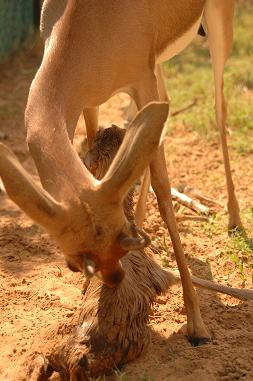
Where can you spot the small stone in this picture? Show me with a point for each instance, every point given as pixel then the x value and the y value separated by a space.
pixel 156 227
pixel 161 299
pixel 54 297
pixel 160 232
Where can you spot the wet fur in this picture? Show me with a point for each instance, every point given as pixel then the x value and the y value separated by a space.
pixel 112 327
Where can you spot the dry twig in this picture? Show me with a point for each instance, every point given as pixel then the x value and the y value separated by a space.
pixel 187 201
pixel 205 199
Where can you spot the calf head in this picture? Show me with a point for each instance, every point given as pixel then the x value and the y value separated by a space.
pixel 89 224
pixel 103 150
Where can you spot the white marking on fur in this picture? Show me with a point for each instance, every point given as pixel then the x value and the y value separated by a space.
pixel 181 43
pixel 2 188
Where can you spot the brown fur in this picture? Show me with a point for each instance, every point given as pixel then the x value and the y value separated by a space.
pixel 99 157
pixel 112 327
pixel 103 150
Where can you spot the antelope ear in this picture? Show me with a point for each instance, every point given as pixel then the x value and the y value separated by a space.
pixel 25 192
pixel 137 149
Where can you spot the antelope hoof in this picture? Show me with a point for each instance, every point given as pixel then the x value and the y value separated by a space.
pixel 234 220
pixel 199 335
pixel 236 229
pixel 196 341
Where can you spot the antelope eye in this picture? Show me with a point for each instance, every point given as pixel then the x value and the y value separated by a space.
pixel 75 262
pixel 72 267
pixel 89 267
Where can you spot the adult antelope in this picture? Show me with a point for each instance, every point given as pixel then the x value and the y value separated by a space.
pixel 93 49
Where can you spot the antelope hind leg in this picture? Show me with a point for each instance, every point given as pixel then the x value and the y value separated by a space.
pixel 219 20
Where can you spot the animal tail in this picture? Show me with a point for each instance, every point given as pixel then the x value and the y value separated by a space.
pixel 239 293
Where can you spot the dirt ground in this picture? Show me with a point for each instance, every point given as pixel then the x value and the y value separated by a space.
pixel 37 289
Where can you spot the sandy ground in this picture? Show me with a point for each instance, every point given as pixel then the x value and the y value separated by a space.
pixel 37 289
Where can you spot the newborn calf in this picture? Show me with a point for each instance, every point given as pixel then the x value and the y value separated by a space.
pixel 112 326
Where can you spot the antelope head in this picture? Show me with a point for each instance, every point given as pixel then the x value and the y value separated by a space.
pixel 89 224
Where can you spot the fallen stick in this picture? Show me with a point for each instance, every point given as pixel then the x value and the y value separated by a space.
pixel 187 201
pixel 188 217
pixel 205 199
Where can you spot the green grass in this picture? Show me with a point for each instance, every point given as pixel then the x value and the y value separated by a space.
pixel 214 226
pixel 189 77
pixel 239 247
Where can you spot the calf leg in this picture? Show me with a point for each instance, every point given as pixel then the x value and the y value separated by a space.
pixel 219 20
pixel 147 91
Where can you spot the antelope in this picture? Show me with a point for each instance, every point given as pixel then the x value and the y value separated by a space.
pixel 94 49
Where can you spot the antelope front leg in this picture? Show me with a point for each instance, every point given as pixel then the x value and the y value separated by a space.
pixel 197 331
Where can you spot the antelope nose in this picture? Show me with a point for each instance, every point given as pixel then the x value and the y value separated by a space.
pixel 113 277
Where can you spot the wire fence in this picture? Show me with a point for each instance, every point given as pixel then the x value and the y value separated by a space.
pixel 17 19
